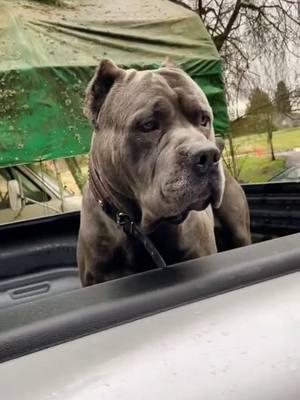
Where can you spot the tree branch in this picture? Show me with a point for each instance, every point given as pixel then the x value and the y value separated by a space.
pixel 219 40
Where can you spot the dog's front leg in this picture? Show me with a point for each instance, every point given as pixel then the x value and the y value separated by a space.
pixel 100 261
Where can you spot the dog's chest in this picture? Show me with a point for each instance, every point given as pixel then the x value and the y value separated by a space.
pixel 166 242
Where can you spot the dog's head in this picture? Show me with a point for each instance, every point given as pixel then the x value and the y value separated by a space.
pixel 154 140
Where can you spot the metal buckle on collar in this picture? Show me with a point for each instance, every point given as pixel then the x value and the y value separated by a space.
pixel 125 222
pixel 127 225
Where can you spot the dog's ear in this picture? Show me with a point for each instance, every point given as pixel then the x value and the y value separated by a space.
pixel 168 63
pixel 107 73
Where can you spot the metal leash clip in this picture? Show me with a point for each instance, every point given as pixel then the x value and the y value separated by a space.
pixel 125 222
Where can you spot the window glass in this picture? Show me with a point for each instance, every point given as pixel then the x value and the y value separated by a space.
pixel 30 189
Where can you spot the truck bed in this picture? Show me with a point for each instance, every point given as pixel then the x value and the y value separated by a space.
pixel 38 257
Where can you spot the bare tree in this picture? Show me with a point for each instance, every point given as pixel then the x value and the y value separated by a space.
pixel 76 172
pixel 256 39
pixel 245 30
pixel 230 153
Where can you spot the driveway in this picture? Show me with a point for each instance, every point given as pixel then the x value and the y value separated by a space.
pixel 292 157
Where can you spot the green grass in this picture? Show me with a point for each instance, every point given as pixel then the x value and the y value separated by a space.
pixel 258 169
pixel 282 140
pixel 253 154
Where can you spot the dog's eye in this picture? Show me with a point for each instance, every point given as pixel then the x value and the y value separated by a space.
pixel 199 117
pixel 204 120
pixel 149 126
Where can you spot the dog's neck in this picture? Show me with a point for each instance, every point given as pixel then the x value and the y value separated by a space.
pixel 122 212
pixel 108 197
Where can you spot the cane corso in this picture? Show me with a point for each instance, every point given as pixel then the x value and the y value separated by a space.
pixel 155 159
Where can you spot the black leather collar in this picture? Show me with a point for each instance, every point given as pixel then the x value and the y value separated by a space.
pixel 104 199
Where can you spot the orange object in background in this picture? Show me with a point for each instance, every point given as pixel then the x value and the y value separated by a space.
pixel 259 152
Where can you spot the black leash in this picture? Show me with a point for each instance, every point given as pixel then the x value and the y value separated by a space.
pixel 123 220
pixel 132 229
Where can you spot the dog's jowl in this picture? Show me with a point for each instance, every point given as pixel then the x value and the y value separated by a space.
pixel 154 158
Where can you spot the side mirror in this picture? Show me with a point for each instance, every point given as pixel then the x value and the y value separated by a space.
pixel 14 195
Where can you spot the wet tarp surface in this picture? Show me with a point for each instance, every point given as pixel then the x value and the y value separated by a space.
pixel 48 54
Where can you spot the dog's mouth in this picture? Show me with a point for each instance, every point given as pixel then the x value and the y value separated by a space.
pixel 208 196
pixel 176 219
pixel 173 220
pixel 180 218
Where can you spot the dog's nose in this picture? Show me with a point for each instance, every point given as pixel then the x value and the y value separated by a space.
pixel 207 159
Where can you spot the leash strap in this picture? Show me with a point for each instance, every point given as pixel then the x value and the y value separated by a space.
pixel 129 227
pixel 121 219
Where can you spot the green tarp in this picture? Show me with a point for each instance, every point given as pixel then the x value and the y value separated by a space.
pixel 48 54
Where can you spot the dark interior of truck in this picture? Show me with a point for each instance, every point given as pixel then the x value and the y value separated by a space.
pixel 38 257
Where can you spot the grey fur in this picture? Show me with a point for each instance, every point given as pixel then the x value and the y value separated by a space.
pixel 153 175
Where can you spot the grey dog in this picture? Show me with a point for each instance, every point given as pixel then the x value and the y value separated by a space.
pixel 154 156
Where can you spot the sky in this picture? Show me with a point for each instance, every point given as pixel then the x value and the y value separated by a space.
pixel 265 71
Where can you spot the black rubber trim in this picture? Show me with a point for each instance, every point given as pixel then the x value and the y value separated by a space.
pixel 32 224
pixel 30 327
pixel 274 208
pixel 38 244
pixel 26 288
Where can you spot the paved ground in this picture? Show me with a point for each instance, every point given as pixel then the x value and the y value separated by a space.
pixel 292 157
